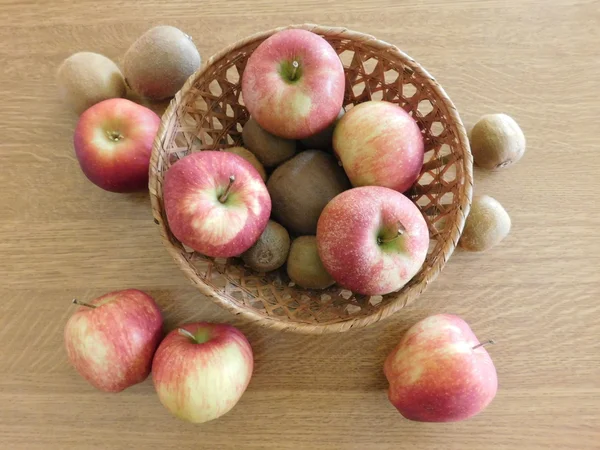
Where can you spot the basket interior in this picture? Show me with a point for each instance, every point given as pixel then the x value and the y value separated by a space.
pixel 210 115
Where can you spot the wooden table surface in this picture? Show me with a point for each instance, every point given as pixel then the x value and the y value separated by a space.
pixel 538 294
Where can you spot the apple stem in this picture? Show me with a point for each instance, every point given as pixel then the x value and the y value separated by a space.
pixel 490 341
pixel 224 195
pixel 186 333
pixel 401 230
pixel 89 305
pixel 295 66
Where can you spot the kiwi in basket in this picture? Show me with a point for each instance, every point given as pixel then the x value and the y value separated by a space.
pixel 301 187
pixel 304 266
pixel 271 249
pixel 270 150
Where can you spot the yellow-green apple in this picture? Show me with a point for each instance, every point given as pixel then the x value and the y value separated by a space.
pixel 216 203
pixel 440 372
pixel 201 370
pixel 372 240
pixel 113 142
pixel 293 84
pixel 379 144
pixel 111 340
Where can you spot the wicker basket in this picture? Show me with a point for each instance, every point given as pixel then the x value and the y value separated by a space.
pixel 208 113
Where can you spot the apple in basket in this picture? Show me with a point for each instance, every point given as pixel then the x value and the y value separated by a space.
pixel 111 340
pixel 216 203
pixel 201 370
pixel 293 84
pixel 379 144
pixel 113 143
pixel 372 240
pixel 440 372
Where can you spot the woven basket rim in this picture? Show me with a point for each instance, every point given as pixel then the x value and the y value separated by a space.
pixel 402 298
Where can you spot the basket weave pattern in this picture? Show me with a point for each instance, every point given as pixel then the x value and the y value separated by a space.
pixel 208 113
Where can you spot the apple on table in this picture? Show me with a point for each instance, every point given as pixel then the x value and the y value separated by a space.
pixel 111 340
pixel 440 372
pixel 201 370
pixel 372 240
pixel 113 144
pixel 216 203
pixel 293 84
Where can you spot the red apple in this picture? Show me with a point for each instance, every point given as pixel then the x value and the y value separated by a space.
pixel 201 370
pixel 293 84
pixel 372 240
pixel 379 144
pixel 216 203
pixel 113 142
pixel 111 340
pixel 440 372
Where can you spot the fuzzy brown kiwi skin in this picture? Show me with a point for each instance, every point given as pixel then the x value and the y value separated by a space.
pixel 270 251
pixel 497 142
pixel 87 78
pixel 160 61
pixel 301 187
pixel 486 226
pixel 270 150
pixel 304 266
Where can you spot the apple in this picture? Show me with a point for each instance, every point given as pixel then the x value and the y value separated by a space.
pixel 201 370
pixel 216 203
pixel 372 240
pixel 111 340
pixel 113 142
pixel 379 144
pixel 293 84
pixel 440 372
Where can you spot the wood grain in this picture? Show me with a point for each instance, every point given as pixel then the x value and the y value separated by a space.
pixel 537 294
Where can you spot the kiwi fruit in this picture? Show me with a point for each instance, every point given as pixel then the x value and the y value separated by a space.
pixel 87 78
pixel 304 266
pixel 301 187
pixel 248 156
pixel 324 139
pixel 270 150
pixel 496 141
pixel 158 64
pixel 487 225
pixel 270 251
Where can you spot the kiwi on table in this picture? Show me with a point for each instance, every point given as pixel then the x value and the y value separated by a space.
pixel 324 139
pixel 487 225
pixel 158 64
pixel 304 266
pixel 87 78
pixel 249 156
pixel 270 251
pixel 270 150
pixel 496 141
pixel 301 187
